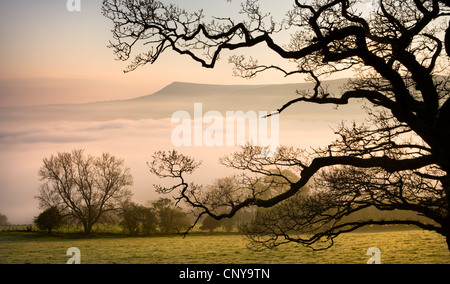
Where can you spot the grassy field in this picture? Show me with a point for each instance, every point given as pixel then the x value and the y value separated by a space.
pixel 396 247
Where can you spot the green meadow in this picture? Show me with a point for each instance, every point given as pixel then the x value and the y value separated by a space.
pixel 397 247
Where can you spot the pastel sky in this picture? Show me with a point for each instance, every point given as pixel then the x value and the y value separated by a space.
pixel 51 55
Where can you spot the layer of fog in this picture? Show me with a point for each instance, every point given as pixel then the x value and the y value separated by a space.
pixel 28 138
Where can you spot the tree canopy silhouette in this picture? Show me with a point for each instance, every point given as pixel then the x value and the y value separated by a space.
pixel 400 160
pixel 84 187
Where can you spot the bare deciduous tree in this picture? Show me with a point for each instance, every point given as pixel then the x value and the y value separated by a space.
pixel 401 160
pixel 82 186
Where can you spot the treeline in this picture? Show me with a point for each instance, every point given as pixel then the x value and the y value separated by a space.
pixel 85 190
pixel 161 216
pixel 155 217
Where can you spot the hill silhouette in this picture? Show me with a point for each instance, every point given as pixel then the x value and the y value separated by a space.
pixel 181 96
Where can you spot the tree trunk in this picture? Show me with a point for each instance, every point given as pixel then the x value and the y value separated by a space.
pixel 447 40
pixel 446 225
pixel 448 241
pixel 87 227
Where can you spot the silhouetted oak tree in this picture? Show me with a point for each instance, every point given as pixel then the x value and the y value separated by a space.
pixel 401 160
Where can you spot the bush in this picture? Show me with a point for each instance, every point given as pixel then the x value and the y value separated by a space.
pixel 162 214
pixel 50 219
pixel 136 218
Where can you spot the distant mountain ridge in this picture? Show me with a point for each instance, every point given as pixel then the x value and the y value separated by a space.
pixel 174 97
pixel 185 89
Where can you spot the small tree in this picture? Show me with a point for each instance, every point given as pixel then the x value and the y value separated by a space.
pixel 210 224
pixel 170 217
pixel 131 217
pixel 149 220
pixel 49 219
pixel 3 220
pixel 137 218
